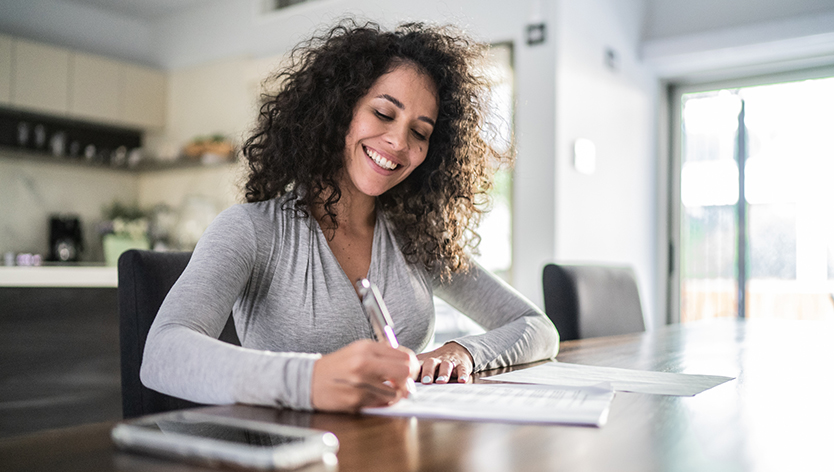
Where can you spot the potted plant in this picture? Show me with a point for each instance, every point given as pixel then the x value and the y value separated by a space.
pixel 124 227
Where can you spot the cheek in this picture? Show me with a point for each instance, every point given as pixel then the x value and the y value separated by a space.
pixel 421 158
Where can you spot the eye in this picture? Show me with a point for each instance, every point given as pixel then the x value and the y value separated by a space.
pixel 418 135
pixel 382 116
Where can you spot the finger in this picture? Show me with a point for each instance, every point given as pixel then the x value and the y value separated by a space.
pixel 462 371
pixel 428 370
pixel 444 371
pixel 368 394
pixel 413 362
pixel 396 371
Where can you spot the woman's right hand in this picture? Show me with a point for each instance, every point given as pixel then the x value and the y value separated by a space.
pixel 362 374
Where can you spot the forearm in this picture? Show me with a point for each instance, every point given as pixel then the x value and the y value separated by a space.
pixel 186 364
pixel 529 338
pixel 517 330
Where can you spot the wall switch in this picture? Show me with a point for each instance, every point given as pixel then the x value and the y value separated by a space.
pixel 584 156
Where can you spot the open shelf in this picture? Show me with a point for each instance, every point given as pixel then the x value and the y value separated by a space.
pixel 146 165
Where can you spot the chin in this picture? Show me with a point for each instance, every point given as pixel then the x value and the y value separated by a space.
pixel 374 192
pixel 373 187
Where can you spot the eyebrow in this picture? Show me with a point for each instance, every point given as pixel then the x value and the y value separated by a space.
pixel 400 105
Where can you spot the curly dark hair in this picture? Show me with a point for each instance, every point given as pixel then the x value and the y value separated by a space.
pixel 298 144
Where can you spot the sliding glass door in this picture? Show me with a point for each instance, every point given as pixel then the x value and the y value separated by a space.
pixel 756 208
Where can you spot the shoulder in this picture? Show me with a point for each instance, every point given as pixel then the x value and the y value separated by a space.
pixel 262 224
pixel 257 213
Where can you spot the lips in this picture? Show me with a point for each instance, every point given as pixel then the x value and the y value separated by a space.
pixel 379 160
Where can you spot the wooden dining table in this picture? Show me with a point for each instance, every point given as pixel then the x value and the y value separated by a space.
pixel 775 415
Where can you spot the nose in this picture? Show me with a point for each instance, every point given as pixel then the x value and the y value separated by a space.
pixel 397 137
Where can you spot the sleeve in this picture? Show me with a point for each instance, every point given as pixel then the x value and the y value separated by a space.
pixel 183 356
pixel 517 331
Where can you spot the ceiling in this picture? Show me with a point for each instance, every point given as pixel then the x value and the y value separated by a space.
pixel 141 9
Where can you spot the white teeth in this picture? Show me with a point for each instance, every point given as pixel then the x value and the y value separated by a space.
pixel 380 161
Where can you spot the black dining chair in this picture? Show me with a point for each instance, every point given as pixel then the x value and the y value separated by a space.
pixel 145 277
pixel 586 301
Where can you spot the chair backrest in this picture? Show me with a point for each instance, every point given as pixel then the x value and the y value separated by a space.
pixel 145 277
pixel 586 301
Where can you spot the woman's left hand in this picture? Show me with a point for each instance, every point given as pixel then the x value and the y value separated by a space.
pixel 444 363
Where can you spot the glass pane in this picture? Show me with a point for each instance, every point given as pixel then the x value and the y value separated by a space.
pixel 788 194
pixel 495 249
pixel 709 192
pixel 709 263
pixel 788 188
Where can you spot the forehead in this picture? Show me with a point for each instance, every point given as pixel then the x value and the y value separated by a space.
pixel 409 85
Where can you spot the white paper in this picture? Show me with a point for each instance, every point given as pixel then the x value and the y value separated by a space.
pixel 502 402
pixel 622 380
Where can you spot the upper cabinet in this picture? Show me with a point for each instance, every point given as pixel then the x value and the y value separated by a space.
pixel 47 79
pixel 5 70
pixel 40 75
pixel 144 98
pixel 95 88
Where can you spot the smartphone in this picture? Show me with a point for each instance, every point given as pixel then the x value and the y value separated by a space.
pixel 215 440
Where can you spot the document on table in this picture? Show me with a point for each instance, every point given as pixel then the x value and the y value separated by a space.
pixel 622 380
pixel 504 402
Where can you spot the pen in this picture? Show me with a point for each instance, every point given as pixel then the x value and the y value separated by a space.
pixel 381 320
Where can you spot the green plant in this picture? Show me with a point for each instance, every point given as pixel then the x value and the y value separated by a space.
pixel 125 220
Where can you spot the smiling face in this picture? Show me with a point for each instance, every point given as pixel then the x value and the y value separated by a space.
pixel 389 134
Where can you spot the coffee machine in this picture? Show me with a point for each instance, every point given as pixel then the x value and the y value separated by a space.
pixel 65 240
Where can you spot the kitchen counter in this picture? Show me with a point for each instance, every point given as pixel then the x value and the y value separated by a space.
pixel 59 276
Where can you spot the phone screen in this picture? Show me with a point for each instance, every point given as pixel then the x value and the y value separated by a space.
pixel 221 432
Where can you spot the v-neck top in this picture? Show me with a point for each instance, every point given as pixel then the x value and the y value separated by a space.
pixel 292 302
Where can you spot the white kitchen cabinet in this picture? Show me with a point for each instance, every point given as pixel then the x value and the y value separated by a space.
pixel 5 70
pixel 95 88
pixel 40 77
pixel 46 79
pixel 143 97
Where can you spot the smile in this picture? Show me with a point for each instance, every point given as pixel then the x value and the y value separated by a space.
pixel 379 160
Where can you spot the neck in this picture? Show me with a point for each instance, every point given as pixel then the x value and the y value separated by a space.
pixel 355 212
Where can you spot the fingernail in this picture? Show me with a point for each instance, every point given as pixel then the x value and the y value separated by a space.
pixel 442 378
pixel 427 379
pixel 462 378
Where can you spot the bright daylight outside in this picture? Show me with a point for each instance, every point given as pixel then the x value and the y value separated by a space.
pixel 495 230
pixel 784 224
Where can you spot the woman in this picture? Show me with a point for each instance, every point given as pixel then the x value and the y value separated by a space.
pixel 368 163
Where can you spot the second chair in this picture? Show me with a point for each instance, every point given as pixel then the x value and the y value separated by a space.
pixel 586 301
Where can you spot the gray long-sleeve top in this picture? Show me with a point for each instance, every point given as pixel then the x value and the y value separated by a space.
pixel 291 302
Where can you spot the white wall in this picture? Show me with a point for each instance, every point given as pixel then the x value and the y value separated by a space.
pixel 709 40
pixel 610 215
pixel 670 18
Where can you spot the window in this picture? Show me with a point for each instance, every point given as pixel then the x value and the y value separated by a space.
pixel 496 226
pixel 757 238
pixel 495 229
